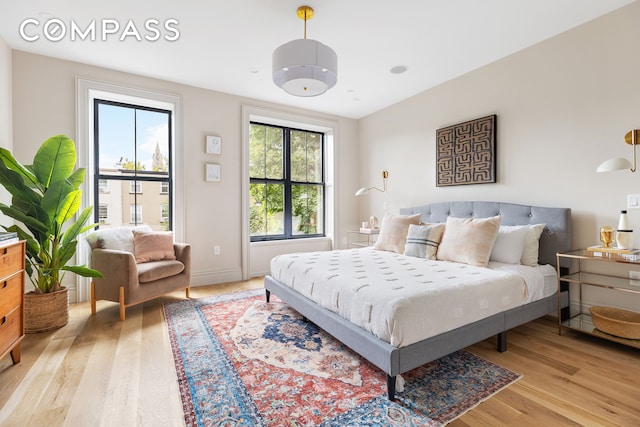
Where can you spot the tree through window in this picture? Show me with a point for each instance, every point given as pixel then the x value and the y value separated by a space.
pixel 286 171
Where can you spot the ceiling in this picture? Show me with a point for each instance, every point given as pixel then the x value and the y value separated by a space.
pixel 226 45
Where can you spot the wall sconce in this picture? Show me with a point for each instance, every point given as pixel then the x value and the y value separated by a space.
pixel 618 163
pixel 365 190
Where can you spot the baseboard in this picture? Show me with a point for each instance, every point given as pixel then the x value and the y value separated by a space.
pixel 202 278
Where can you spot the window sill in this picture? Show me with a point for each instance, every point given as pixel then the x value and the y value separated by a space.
pixel 291 242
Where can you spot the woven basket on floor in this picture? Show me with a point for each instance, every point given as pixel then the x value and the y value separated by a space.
pixel 616 321
pixel 45 312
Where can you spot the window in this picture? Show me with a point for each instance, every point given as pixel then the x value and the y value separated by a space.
pixel 164 214
pixel 103 213
pixel 135 187
pixel 132 148
pixel 102 186
pixel 286 182
pixel 135 214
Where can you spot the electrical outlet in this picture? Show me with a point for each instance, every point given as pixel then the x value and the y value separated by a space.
pixel 635 278
pixel 344 240
pixel 216 250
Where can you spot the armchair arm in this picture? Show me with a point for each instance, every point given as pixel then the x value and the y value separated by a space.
pixel 183 254
pixel 118 268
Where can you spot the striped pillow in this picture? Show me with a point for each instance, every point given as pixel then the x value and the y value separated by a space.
pixel 423 240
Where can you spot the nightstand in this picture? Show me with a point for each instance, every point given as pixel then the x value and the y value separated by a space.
pixel 615 281
pixel 362 238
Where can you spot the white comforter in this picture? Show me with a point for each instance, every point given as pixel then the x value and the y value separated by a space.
pixel 403 299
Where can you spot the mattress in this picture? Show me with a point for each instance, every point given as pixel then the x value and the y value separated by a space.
pixel 403 299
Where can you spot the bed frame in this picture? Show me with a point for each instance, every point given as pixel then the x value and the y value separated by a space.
pixel 394 361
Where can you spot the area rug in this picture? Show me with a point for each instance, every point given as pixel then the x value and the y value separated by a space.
pixel 244 362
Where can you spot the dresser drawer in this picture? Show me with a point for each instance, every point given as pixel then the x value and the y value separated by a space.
pixel 10 293
pixel 10 328
pixel 11 259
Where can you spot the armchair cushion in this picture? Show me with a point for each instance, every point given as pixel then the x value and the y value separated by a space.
pixel 153 246
pixel 156 270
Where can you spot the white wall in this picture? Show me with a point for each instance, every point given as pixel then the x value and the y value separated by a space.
pixel 44 105
pixel 6 125
pixel 6 122
pixel 563 107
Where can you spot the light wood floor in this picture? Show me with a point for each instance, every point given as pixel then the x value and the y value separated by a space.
pixel 98 371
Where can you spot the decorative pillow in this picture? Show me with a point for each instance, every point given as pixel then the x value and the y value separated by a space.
pixel 153 246
pixel 115 238
pixel 509 244
pixel 469 240
pixel 393 232
pixel 423 240
pixel 532 245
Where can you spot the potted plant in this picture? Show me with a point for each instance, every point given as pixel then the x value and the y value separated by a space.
pixel 45 199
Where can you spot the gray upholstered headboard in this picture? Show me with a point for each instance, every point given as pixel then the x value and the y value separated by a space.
pixel 556 236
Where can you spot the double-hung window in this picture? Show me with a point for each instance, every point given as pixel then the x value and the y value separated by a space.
pixel 133 172
pixel 286 183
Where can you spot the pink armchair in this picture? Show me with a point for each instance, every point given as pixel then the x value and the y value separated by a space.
pixel 128 282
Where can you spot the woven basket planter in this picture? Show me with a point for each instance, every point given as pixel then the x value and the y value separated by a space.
pixel 45 312
pixel 616 321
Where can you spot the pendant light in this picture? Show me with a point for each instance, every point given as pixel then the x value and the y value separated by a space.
pixel 305 67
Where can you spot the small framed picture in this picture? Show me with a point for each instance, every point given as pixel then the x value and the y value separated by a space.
pixel 213 172
pixel 214 145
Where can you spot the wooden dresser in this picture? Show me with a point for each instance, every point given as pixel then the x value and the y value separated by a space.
pixel 12 259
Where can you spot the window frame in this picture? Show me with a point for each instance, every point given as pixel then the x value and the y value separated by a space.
pixel 86 90
pixel 288 183
pixel 135 178
pixel 255 255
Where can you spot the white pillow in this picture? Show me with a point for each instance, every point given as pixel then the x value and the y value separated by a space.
pixel 469 240
pixel 117 238
pixel 393 232
pixel 509 244
pixel 532 245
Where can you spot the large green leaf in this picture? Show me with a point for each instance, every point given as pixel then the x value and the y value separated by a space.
pixel 13 182
pixel 69 207
pixel 30 222
pixel 55 160
pixel 78 226
pixel 33 247
pixel 66 252
pixel 77 178
pixel 83 271
pixel 55 198
pixel 11 163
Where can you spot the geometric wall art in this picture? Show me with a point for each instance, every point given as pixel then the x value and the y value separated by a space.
pixel 466 153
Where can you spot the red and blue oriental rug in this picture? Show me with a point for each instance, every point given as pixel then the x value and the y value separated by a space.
pixel 243 362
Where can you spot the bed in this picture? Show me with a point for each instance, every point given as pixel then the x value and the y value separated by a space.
pixel 396 355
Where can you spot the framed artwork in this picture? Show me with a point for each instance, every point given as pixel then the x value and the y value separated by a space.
pixel 466 153
pixel 213 145
pixel 213 172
